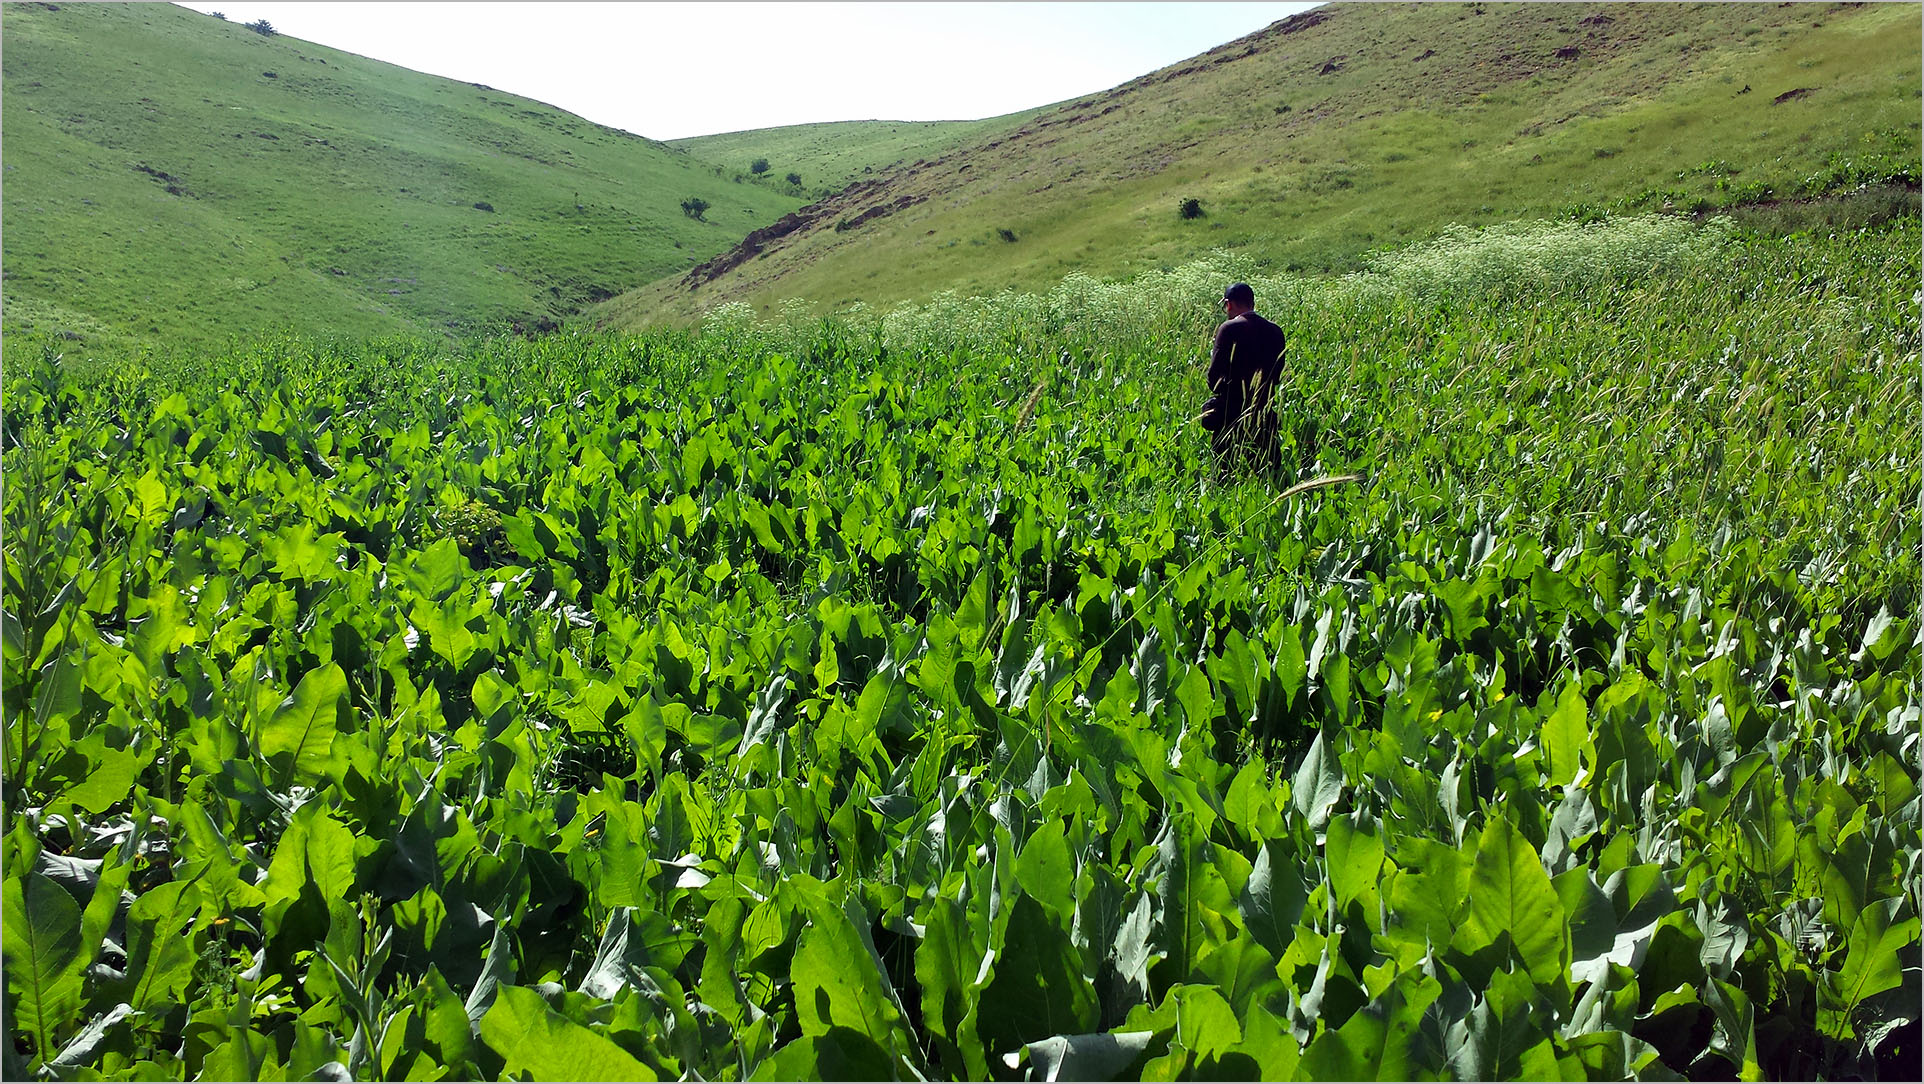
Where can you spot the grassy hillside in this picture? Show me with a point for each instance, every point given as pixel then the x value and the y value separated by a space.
pixel 830 156
pixel 172 177
pixel 1356 127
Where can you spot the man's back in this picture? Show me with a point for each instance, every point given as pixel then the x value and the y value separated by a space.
pixel 1246 345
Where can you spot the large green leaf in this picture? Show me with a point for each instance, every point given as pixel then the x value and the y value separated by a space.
pixel 110 780
pixel 837 1054
pixel 1317 782
pixel 837 984
pixel 1428 894
pixel 1038 989
pixel 1273 898
pixel 297 554
pixel 299 739
pixel 1506 1036
pixel 1244 973
pixel 315 861
pixel 1047 870
pixel 1190 892
pixel 44 957
pixel 436 571
pixel 445 1023
pixel 1355 855
pixel 497 971
pixel 1511 895
pixel 1379 1040
pixel 1734 1034
pixel 533 1039
pixel 1206 1029
pixel 635 945
pixel 1872 964
pixel 1566 736
pixel 947 962
pixel 160 955
pixel 82 1048
pixel 245 1055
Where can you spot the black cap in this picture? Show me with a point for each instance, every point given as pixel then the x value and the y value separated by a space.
pixel 1240 293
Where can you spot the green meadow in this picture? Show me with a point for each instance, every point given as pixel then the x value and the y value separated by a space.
pixel 831 156
pixel 905 695
pixel 1315 143
pixel 174 180
pixel 419 662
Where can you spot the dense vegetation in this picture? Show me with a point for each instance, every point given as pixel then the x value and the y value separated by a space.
pixel 897 694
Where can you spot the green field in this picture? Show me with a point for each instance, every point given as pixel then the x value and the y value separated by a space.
pixel 438 640
pixel 173 181
pixel 902 695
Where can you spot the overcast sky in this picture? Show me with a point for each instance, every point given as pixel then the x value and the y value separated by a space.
pixel 669 70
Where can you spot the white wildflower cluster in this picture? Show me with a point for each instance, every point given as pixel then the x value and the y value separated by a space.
pixel 1157 306
pixel 1176 308
pixel 1527 257
pixel 732 323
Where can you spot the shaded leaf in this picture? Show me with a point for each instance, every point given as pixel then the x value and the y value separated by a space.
pixel 532 1038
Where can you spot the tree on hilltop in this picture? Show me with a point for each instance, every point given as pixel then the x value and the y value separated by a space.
pixel 262 27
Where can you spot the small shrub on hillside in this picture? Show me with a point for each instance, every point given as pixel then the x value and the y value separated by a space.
pixel 758 167
pixel 262 27
pixel 694 207
pixel 795 179
pixel 1190 208
pixel 221 15
pixel 1005 234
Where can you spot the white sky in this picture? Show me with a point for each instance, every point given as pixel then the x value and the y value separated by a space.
pixel 669 70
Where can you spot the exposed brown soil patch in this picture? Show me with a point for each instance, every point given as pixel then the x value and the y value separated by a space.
pixel 812 215
pixel 1302 21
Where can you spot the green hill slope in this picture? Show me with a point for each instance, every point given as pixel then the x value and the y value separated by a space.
pixel 830 156
pixel 1356 127
pixel 170 177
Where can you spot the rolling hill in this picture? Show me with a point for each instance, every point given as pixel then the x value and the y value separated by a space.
pixel 831 156
pixel 173 178
pixel 1355 127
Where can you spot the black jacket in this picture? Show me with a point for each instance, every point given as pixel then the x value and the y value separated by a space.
pixel 1243 368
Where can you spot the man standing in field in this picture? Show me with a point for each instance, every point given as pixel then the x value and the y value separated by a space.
pixel 1243 370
